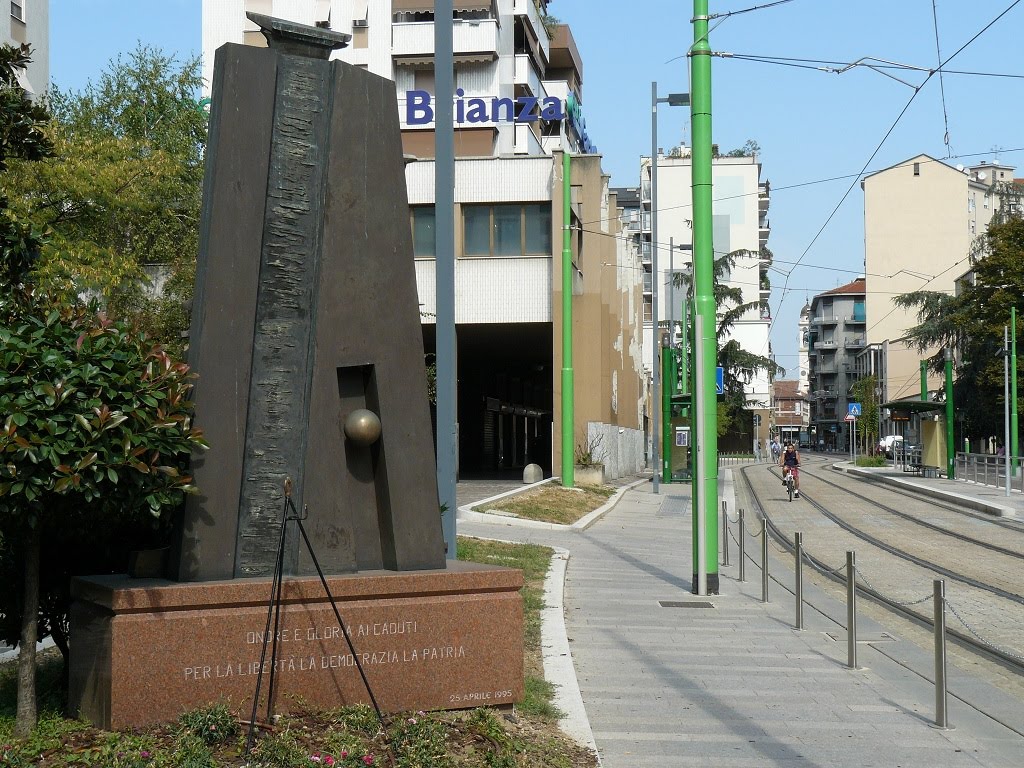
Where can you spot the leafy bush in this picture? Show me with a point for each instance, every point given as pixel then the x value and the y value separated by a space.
pixel 211 725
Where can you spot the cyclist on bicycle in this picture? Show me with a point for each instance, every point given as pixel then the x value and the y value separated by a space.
pixel 790 464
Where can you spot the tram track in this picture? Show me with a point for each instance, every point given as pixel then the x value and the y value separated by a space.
pixel 1016 526
pixel 1006 659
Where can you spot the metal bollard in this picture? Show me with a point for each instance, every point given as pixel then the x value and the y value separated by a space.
pixel 939 602
pixel 851 610
pixel 725 533
pixel 798 546
pixel 764 560
pixel 743 548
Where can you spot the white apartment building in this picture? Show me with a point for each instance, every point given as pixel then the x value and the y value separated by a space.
pixel 29 23
pixel 921 218
pixel 740 209
pixel 508 208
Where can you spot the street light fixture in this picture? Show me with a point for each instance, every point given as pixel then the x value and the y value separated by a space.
pixel 673 100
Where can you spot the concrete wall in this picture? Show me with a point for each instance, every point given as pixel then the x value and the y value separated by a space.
pixel 619 448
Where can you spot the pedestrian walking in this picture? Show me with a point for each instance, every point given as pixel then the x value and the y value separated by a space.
pixel 757 449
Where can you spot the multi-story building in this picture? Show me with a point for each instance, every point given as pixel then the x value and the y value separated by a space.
pixel 29 23
pixel 510 60
pixel 792 416
pixel 921 218
pixel 836 337
pixel 740 225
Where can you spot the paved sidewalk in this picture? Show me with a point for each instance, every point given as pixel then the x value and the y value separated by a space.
pixel 732 684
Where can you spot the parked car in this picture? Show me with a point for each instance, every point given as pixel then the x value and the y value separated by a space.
pixel 888 444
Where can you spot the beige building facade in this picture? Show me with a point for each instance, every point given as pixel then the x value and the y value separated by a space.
pixel 921 219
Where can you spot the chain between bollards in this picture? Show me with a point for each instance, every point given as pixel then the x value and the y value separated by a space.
pixel 939 603
pixel 851 610
pixel 743 548
pixel 764 560
pixel 725 533
pixel 798 549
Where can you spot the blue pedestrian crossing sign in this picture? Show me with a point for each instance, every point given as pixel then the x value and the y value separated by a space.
pixel 719 381
pixel 853 409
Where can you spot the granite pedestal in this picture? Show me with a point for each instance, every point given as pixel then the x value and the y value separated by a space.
pixel 147 650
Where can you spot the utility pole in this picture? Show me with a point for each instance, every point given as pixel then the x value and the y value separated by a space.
pixel 568 372
pixel 655 341
pixel 444 249
pixel 705 397
pixel 1013 388
pixel 950 448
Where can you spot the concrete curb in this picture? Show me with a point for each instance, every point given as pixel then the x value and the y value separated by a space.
pixel 979 505
pixel 466 512
pixel 559 668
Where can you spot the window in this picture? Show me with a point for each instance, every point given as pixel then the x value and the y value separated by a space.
pixel 18 9
pixel 858 310
pixel 514 229
pixel 422 231
pixel 917 169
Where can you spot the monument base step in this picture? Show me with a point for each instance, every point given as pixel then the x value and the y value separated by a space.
pixel 144 651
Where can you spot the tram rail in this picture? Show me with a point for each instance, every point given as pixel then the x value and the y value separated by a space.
pixel 1006 659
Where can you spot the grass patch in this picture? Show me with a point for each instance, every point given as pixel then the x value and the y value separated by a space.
pixel 210 737
pixel 552 503
pixel 533 561
pixel 872 461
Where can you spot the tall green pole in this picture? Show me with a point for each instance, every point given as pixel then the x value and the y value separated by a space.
pixel 950 448
pixel 1013 384
pixel 667 390
pixel 568 377
pixel 924 379
pixel 705 397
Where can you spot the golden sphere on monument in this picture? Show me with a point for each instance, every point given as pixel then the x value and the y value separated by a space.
pixel 362 427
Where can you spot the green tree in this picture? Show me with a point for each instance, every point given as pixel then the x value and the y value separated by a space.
pixel 865 392
pixel 971 323
pixel 739 365
pixel 122 193
pixel 95 420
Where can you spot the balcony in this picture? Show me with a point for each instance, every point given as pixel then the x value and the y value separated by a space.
pixel 856 319
pixel 527 142
pixel 473 40
pixel 647 282
pixel 825 320
pixel 527 77
pixel 857 342
pixel 645 251
pixel 645 221
pixel 645 190
pixel 824 344
pixel 528 9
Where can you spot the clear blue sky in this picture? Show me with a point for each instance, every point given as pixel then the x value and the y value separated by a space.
pixel 811 125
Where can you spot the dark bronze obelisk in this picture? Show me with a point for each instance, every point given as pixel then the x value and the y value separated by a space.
pixel 306 311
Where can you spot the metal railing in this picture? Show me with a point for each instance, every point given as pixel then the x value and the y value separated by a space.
pixel 851 577
pixel 989 469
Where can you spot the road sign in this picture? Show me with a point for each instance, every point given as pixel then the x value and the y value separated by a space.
pixel 719 381
pixel 849 417
pixel 853 409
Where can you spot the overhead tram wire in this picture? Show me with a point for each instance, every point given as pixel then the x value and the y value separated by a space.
pixel 942 85
pixel 892 127
pixel 727 14
pixel 788 61
pixel 800 184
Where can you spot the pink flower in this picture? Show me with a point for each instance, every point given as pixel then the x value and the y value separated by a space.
pixel 144 754
pixel 412 721
pixel 344 754
pixel 328 760
pixel 368 759
pixel 213 727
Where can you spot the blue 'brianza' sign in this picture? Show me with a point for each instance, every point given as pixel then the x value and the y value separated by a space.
pixel 522 109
